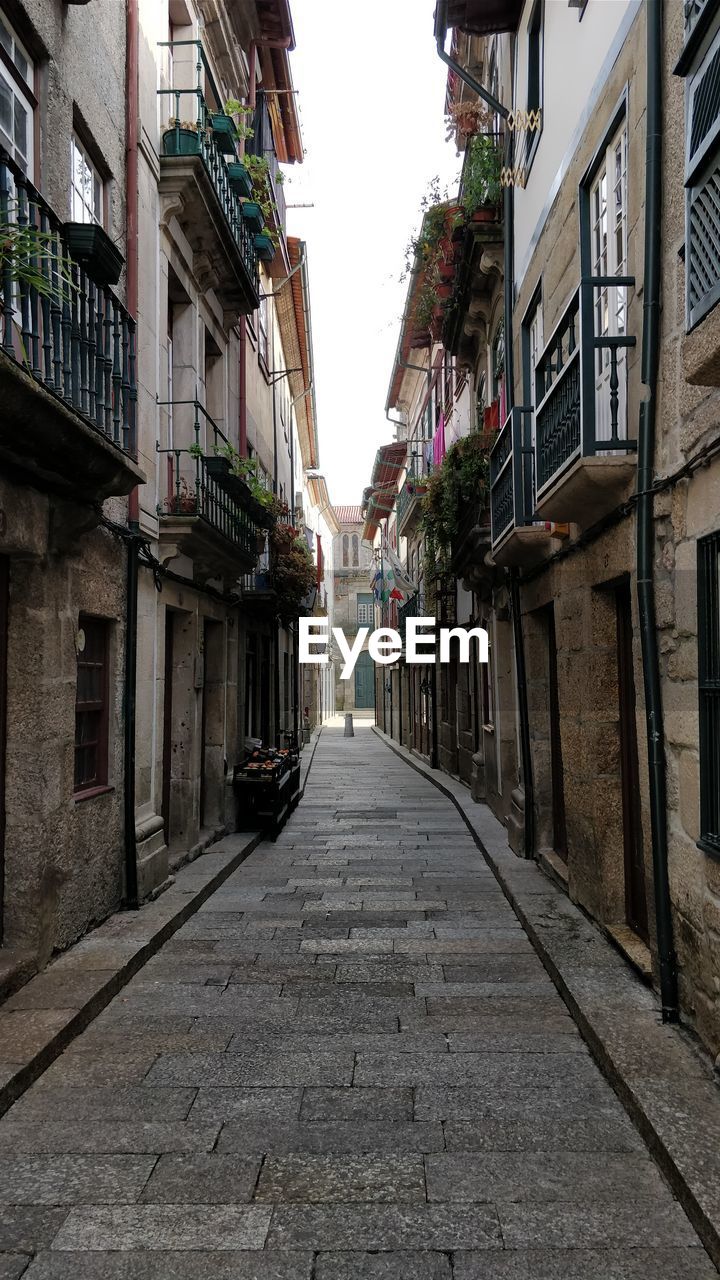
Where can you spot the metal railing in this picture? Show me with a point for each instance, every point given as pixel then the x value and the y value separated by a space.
pixel 511 475
pixel 200 481
pixel 206 146
pixel 566 419
pixel 59 323
pixel 409 609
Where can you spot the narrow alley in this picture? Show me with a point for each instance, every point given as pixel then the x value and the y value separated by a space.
pixel 349 1064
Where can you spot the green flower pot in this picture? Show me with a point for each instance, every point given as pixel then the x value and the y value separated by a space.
pixel 253 215
pixel 240 179
pixel 91 246
pixel 264 247
pixel 223 128
pixel 181 142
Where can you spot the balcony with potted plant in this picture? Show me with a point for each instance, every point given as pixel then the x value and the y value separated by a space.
pixel 216 511
pixel 409 499
pixel 203 180
pixel 67 350
pixel 456 517
pixel 478 237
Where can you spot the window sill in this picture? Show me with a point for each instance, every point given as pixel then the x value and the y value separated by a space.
pixel 92 792
pixel 713 850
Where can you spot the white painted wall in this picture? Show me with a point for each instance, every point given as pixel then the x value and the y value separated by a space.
pixel 575 54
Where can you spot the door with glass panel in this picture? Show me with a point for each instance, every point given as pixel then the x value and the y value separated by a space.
pixel 608 214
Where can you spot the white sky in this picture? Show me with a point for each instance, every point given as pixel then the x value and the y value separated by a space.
pixel 371 96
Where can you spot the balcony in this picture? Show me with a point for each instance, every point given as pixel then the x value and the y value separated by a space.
pixel 584 461
pixel 67 355
pixel 209 513
pixel 482 17
pixel 516 538
pixel 196 185
pixel 471 544
pixel 410 609
pixel 472 279
pixel 409 503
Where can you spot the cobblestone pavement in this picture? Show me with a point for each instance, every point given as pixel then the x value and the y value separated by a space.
pixel 349 1065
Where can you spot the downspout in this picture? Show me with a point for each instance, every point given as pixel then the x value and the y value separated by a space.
pixel 645 517
pixel 131 607
pixel 242 388
pixel 508 304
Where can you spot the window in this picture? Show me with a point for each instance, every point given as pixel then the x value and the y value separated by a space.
pixel 702 180
pixel 91 704
pixel 17 76
pixel 345 551
pixel 608 237
pixel 534 77
pixel 263 332
pixel 355 551
pixel 532 350
pixel 86 186
pixel 709 690
pixel 365 610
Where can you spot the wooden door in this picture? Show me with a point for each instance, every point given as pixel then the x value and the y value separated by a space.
pixel 167 722
pixel 635 889
pixel 364 682
pixel 4 602
pixel 556 759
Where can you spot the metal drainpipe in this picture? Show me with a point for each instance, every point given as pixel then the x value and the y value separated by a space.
pixel 645 517
pixel 508 302
pixel 131 605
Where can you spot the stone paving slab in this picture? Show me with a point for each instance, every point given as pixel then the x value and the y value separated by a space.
pixel 197 1265
pixel 53 1008
pixel 366 1078
pixel 666 1084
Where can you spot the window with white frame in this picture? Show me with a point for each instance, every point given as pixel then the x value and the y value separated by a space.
pixel 86 186
pixel 365 609
pixel 609 246
pixel 17 77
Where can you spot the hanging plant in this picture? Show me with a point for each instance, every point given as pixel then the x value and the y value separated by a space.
pixel 463 478
pixel 292 568
pixel 481 176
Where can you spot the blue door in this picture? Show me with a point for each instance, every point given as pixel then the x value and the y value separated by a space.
pixel 364 682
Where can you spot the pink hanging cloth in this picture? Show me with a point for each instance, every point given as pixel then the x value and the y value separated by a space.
pixel 439 442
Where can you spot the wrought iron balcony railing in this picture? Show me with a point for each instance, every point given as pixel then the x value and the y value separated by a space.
pixel 60 321
pixel 196 136
pixel 581 406
pixel 201 481
pixel 409 609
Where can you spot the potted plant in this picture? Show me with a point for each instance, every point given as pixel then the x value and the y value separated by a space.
pixel 89 244
pixel 481 189
pixel 253 215
pixel 184 502
pixel 240 180
pixel 183 138
pixel 264 247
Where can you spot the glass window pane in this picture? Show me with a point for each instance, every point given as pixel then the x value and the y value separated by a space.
pixel 21 129
pixel 5 38
pixel 6 108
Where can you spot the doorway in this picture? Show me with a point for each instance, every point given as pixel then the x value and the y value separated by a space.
pixel 364 682
pixel 4 609
pixel 635 889
pixel 167 722
pixel 559 825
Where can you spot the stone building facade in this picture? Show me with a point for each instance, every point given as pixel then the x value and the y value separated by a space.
pixel 67 451
pixel 159 430
pixel 563 752
pixel 354 607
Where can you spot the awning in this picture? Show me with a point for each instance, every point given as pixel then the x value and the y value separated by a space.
pixel 388 469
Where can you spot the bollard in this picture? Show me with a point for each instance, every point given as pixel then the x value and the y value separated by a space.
pixel 349 731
